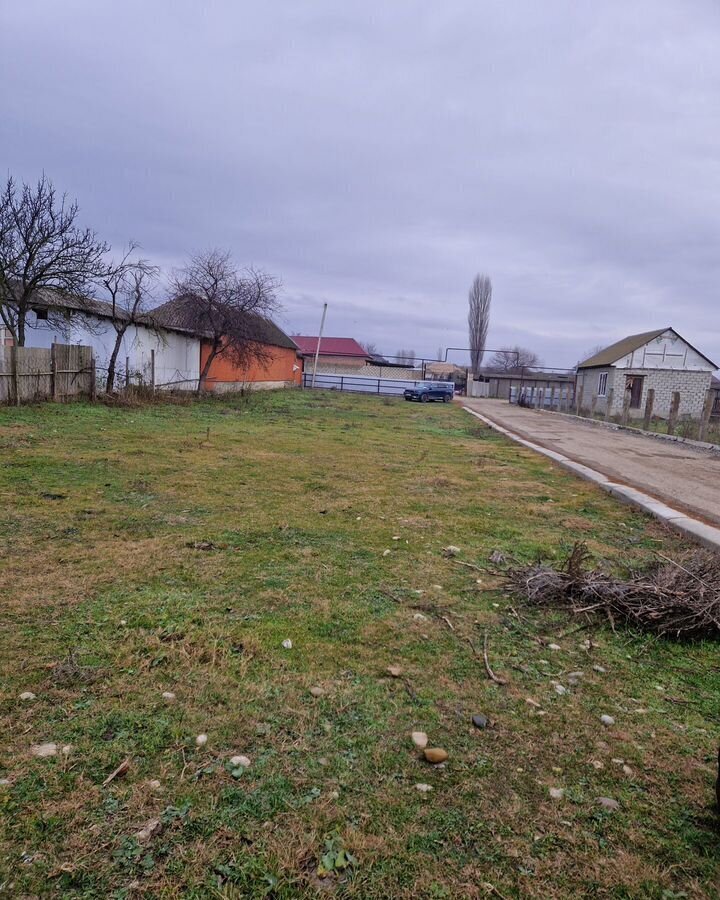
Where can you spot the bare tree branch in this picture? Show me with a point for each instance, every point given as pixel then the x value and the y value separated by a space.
pixel 514 359
pixel 479 300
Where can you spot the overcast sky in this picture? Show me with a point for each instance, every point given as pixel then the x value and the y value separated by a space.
pixel 377 155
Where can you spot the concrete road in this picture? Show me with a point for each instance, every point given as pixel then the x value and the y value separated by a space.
pixel 680 475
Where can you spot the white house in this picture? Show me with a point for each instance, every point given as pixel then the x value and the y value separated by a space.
pixel 54 319
pixel 661 360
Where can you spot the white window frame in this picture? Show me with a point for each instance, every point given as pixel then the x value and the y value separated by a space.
pixel 602 384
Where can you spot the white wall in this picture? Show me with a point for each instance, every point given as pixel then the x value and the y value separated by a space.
pixel 177 356
pixel 669 351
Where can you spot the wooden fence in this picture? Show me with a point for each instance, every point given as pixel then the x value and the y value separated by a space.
pixel 28 374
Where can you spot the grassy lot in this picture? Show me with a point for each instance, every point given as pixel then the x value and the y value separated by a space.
pixel 174 548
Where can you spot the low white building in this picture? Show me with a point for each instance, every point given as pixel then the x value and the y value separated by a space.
pixel 661 360
pixel 176 351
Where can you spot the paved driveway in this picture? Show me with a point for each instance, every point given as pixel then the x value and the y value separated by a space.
pixel 681 476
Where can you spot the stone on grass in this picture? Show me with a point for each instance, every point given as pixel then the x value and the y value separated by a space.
pixel 149 830
pixel 154 784
pixel 238 762
pixel 598 668
pixel 386 553
pixel 554 647
pixel 608 803
pixel 420 739
pixel 287 644
pixel 559 688
pixel 607 720
pixel 628 771
pixel 423 788
pixel 201 740
pixel 531 702
pixel 4 782
pixel 480 721
pixel 556 793
pixel 27 695
pixel 43 750
pixel 419 617
pixel 435 755
pixel 395 671
pixel 596 764
pixel 168 696
pixel 317 691
pixel 452 550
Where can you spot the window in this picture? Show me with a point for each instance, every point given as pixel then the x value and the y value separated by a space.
pixel 602 384
pixel 41 314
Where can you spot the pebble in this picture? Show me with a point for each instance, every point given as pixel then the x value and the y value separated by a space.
pixel 574 677
pixel 201 740
pixel 324 761
pixel 452 550
pixel 607 720
pixel 317 691
pixel 608 803
pixel 597 764
pixel 559 688
pixel 287 644
pixel 67 749
pixel 531 702
pixel 386 553
pixel 396 537
pixel 600 669
pixel 123 621
pixel 556 793
pixel 43 750
pixel 554 647
pixel 420 739
pixel 395 671
pixel 618 761
pixel 419 617
pixel 423 788
pixel 154 784
pixel 628 771
pixel 27 695
pixel 153 827
pixel 480 721
pixel 334 795
pixel 435 755
pixel 4 782
pixel 240 761
pixel 168 696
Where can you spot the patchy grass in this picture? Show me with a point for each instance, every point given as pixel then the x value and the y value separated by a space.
pixel 174 548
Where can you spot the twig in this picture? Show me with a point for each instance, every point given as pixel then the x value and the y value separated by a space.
pixel 449 623
pixel 411 690
pixel 682 568
pixel 490 672
pixel 121 770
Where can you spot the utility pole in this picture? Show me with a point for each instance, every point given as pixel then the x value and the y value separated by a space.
pixel 317 349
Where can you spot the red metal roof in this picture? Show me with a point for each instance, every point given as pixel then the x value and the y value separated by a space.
pixel 329 346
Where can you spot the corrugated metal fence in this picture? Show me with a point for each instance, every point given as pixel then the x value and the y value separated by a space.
pixel 28 374
pixel 361 385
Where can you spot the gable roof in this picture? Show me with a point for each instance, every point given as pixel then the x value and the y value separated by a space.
pixel 619 349
pixel 330 346
pixel 176 314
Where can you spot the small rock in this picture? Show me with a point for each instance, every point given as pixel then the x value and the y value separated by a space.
pixel 386 553
pixel 43 750
pixel 324 761
pixel 531 702
pixel 154 784
pixel 556 793
pixel 608 803
pixel 423 788
pixel 287 644
pixel 600 669
pixel 168 696
pixel 419 617
pixel 607 720
pixel 628 771
pixel 334 795
pixel 201 740
pixel 435 755
pixel 395 671
pixel 123 622
pixel 396 537
pixel 420 739
pixel 153 827
pixel 480 721
pixel 452 550
pixel 27 695
pixel 618 761
pixel 554 647
pixel 596 764
pixel 67 749
pixel 240 762
pixel 317 691
pixel 559 688
pixel 497 557
pixel 574 677
pixel 4 782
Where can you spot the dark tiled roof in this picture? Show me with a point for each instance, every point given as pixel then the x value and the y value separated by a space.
pixel 176 314
pixel 330 346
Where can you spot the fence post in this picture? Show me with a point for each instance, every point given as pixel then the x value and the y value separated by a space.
pixel 14 371
pixel 152 369
pixel 626 407
pixel 707 412
pixel 541 398
pixel 342 383
pixel 593 404
pixel 93 381
pixel 609 404
pixel 649 403
pixel 127 372
pixel 53 373
pixel 579 399
pixel 674 409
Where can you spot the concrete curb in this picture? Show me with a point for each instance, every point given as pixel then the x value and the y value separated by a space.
pixel 699 531
pixel 631 429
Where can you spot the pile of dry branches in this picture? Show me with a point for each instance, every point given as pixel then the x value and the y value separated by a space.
pixel 674 599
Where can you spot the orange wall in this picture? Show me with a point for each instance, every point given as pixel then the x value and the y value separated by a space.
pixel 278 368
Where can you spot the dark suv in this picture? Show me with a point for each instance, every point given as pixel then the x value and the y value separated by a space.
pixel 426 392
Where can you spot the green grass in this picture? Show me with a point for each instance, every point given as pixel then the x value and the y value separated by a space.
pixel 295 497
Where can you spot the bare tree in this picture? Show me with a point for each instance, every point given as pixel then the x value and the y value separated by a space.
pixel 41 247
pixel 370 348
pixel 588 353
pixel 129 287
pixel 479 300
pixel 227 306
pixel 406 357
pixel 513 359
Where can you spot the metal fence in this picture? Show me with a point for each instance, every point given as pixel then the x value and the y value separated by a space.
pixel 357 384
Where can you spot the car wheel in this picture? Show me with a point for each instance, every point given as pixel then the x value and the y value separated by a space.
pixel 424 398
pixel 446 399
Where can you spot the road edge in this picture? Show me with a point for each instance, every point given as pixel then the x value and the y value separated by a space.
pixel 699 531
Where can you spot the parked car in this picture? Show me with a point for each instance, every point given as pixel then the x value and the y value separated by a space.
pixel 427 392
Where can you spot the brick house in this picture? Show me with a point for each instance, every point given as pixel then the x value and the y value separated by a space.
pixel 334 351
pixel 661 360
